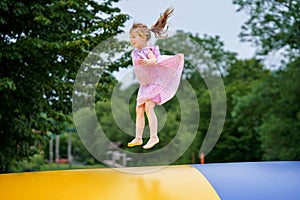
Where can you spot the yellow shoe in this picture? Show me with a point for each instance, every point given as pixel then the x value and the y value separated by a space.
pixel 135 142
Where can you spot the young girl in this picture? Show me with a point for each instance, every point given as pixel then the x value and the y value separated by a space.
pixel 158 75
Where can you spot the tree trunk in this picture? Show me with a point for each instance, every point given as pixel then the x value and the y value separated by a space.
pixel 70 150
pixel 57 157
pixel 51 151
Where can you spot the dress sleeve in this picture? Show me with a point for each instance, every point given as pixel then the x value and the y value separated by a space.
pixel 134 56
pixel 155 51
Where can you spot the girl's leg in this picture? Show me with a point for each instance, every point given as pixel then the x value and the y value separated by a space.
pixel 152 120
pixel 139 124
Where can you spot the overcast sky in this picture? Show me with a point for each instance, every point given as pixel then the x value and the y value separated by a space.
pixel 211 17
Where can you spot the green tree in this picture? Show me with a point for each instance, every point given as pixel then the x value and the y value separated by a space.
pixel 43 44
pixel 272 24
pixel 240 140
pixel 275 25
pixel 280 125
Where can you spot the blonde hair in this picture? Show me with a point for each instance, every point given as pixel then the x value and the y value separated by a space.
pixel 159 28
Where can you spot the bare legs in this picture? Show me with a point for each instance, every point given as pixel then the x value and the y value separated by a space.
pixel 152 120
pixel 147 107
pixel 139 127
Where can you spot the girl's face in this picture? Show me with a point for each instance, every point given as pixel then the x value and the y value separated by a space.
pixel 137 41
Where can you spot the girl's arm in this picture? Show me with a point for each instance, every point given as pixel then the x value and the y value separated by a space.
pixel 150 61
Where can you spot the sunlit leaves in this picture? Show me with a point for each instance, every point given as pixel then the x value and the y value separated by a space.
pixel 272 24
pixel 43 44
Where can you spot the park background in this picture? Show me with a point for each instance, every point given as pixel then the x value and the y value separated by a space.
pixel 44 43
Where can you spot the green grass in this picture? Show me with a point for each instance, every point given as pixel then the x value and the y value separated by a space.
pixel 47 167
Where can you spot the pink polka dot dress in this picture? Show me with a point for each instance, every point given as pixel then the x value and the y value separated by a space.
pixel 158 82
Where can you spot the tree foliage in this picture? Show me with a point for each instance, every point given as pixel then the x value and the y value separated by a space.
pixel 43 44
pixel 240 139
pixel 272 24
pixel 276 108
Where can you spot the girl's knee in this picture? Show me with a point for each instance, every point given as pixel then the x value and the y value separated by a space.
pixel 140 110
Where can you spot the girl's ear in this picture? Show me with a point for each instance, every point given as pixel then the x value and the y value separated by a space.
pixel 144 37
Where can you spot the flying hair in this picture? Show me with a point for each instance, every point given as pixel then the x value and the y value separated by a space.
pixel 159 28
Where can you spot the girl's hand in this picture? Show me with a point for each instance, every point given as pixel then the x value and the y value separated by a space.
pixel 146 62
